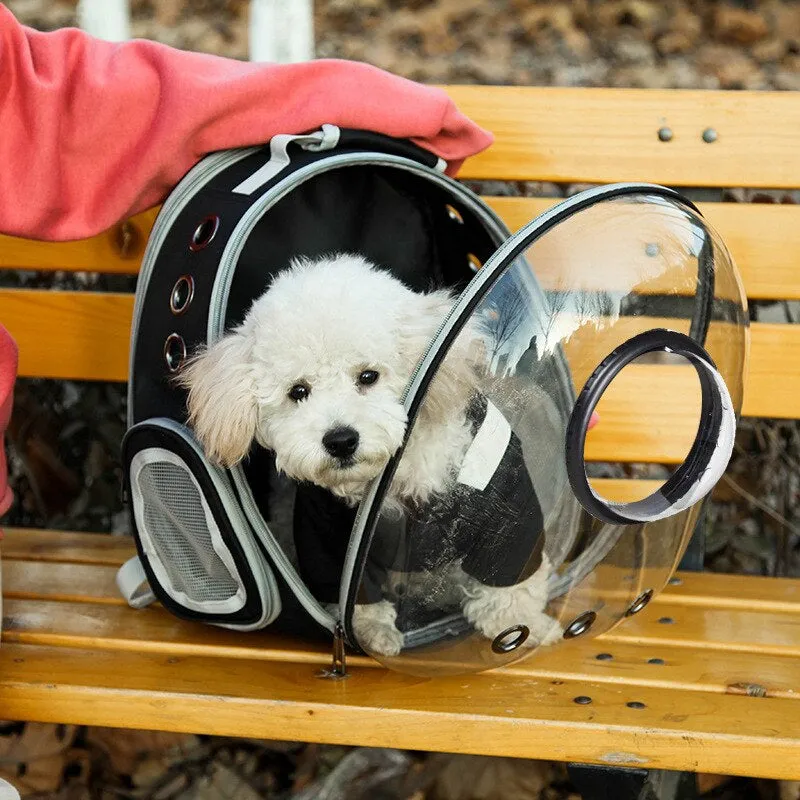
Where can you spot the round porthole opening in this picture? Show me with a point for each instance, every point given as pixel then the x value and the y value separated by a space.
pixel 182 294
pixel 174 352
pixel 204 233
pixel 510 639
pixel 580 625
pixel 639 603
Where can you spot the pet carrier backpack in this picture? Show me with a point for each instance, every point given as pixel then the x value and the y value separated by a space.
pixel 551 316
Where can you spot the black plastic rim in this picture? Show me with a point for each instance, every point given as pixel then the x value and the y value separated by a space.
pixel 696 462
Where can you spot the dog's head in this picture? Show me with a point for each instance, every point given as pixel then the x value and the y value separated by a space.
pixel 316 373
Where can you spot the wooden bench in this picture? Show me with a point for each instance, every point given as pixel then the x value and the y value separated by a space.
pixel 705 679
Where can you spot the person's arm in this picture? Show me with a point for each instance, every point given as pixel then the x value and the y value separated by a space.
pixel 93 132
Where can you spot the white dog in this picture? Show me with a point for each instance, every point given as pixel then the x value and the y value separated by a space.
pixel 316 372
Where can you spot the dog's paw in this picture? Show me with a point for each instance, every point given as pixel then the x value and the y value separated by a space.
pixel 492 610
pixel 374 628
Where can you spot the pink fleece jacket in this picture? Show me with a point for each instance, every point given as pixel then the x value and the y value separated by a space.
pixel 92 132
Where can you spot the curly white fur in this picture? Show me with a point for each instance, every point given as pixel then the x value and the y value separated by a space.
pixel 321 325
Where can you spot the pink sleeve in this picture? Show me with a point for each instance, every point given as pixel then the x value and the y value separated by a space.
pixel 93 132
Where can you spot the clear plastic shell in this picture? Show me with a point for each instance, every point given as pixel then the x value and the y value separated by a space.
pixel 480 544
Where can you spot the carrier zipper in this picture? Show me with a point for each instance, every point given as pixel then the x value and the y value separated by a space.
pixel 281 561
pixel 338 668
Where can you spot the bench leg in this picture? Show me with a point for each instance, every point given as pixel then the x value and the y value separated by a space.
pixel 616 783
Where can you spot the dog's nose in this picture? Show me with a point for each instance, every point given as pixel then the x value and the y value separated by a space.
pixel 341 442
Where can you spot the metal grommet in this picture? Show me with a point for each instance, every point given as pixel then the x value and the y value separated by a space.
pixel 580 625
pixel 666 621
pixel 454 214
pixel 675 581
pixel 204 233
pixel 652 249
pixel 639 603
pixel 474 262
pixel 658 661
pixel 636 704
pixel 665 134
pixel 604 657
pixel 709 136
pixel 174 352
pixel 182 294
pixel 510 639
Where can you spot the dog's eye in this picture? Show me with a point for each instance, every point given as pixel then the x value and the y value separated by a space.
pixel 299 392
pixel 368 377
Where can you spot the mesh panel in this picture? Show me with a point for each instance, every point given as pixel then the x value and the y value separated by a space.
pixel 175 522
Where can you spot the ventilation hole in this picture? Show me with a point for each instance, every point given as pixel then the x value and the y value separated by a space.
pixel 604 657
pixel 474 262
pixel 658 661
pixel 174 352
pixel 174 520
pixel 637 705
pixel 454 214
pixel 675 581
pixel 204 233
pixel 510 639
pixel 583 700
pixel 580 625
pixel 639 603
pixel 666 620
pixel 182 294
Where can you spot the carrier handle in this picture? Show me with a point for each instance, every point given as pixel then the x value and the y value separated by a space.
pixel 132 584
pixel 707 459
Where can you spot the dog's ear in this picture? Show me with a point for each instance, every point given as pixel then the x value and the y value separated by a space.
pixel 223 409
pixel 453 384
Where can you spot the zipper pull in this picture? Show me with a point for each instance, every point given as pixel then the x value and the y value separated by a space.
pixel 338 668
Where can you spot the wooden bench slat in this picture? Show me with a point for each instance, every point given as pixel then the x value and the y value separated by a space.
pixel 715 629
pixel 110 625
pixel 687 668
pixel 34 580
pixel 26 551
pixel 68 547
pixel 118 250
pixel 607 135
pixel 71 335
pixel 684 667
pixel 492 714
pixel 94 340
pixel 744 592
pixel 763 240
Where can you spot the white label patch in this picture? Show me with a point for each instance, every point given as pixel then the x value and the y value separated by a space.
pixel 486 451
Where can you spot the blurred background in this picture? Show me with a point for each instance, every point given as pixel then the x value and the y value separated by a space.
pixel 65 436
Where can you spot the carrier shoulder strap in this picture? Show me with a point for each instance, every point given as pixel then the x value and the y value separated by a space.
pixel 132 584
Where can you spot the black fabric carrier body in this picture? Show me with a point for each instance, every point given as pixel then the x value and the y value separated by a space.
pixel 247 548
